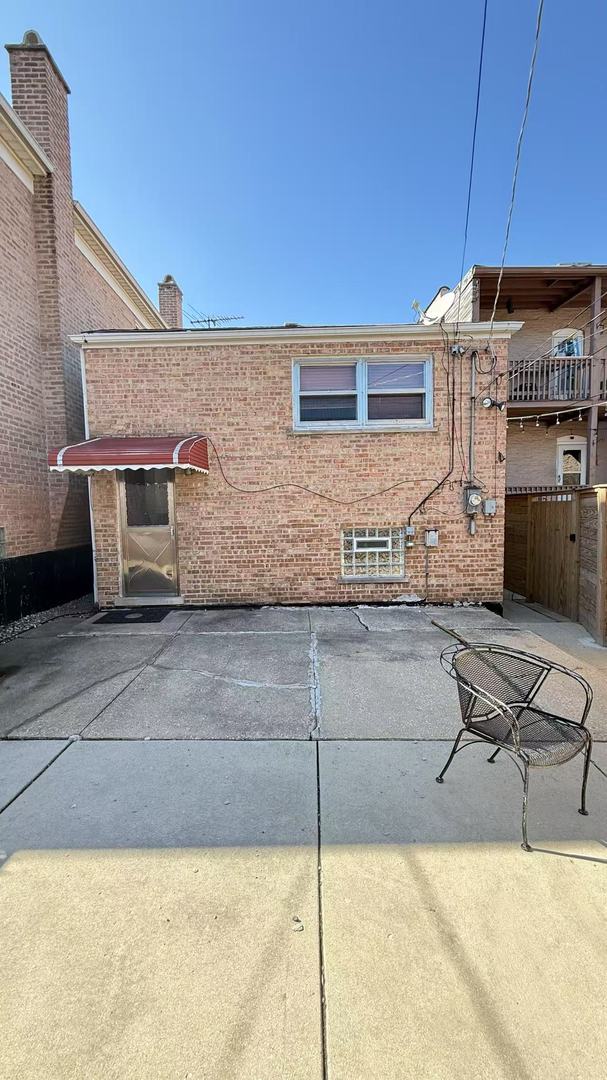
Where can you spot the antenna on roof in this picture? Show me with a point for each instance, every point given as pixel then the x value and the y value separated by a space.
pixel 211 321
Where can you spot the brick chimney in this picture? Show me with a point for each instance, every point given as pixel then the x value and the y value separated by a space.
pixel 39 97
pixel 169 303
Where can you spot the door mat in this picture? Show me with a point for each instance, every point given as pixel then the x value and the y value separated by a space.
pixel 134 616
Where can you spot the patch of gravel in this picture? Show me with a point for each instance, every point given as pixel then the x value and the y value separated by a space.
pixel 79 609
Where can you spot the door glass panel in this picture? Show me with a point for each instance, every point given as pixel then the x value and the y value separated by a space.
pixel 572 468
pixel 147 497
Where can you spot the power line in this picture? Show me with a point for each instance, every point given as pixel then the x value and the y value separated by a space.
pixel 587 403
pixel 472 156
pixel 517 156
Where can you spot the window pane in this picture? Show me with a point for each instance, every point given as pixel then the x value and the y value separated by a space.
pixel 373 543
pixel 327 377
pixel 147 497
pixel 320 409
pixel 396 406
pixel 395 376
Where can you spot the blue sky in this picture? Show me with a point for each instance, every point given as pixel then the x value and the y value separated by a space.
pixel 308 162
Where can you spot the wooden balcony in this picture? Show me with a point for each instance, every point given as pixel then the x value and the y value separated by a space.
pixel 550 379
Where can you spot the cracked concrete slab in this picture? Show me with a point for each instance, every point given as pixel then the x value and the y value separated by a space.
pixel 269 658
pixel 393 618
pixel 447 948
pixel 54 686
pixel 468 618
pixel 334 619
pixel 385 685
pixel 249 620
pixel 170 703
pixel 21 762
pixel 149 907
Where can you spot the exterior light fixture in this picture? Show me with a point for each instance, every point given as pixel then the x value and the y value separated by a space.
pixel 491 403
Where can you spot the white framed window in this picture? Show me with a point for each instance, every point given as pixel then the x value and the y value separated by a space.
pixel 571 453
pixel 363 394
pixel 567 342
pixel 376 553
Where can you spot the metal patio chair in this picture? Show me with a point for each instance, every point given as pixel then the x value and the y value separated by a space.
pixel 497 687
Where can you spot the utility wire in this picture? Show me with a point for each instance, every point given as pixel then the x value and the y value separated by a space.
pixel 527 362
pixel 517 157
pixel 312 491
pixel 472 156
pixel 586 403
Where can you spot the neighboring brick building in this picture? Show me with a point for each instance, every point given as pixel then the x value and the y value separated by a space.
pixel 557 432
pixel 58 276
pixel 348 412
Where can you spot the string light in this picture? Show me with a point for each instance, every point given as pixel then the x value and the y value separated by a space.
pixel 537 421
pixel 521 425
pixel 557 419
pixel 580 415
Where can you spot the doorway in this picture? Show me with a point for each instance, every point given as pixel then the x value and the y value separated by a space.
pixel 571 461
pixel 149 549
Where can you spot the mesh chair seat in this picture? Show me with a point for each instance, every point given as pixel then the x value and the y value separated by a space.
pixel 545 739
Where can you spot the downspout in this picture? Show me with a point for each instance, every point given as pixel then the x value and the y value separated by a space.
pixel 471 447
pixel 88 479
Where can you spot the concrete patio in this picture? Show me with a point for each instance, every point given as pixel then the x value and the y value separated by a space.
pixel 266 673
pixel 225 856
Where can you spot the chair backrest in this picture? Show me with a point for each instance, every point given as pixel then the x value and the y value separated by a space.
pixel 504 674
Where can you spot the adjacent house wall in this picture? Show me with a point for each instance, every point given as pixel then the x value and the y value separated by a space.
pixel 531 452
pixel 283 545
pixel 49 291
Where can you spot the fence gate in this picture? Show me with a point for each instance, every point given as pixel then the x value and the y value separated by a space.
pixel 542 549
pixel 554 553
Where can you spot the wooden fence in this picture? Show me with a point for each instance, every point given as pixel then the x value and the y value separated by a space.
pixel 556 553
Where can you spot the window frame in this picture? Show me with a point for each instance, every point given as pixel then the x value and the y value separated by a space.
pixel 564 444
pixel 361 393
pixel 348 533
pixel 567 333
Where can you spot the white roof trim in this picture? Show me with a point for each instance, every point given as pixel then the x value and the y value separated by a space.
pixel 371 332
pixel 124 468
pixel 116 273
pixel 22 146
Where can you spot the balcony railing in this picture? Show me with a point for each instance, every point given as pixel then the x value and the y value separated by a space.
pixel 552 378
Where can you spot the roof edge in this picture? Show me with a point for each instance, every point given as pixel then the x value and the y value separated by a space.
pixel 23 145
pixel 100 339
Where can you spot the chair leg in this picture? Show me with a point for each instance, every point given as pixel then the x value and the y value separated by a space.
pixel 494 755
pixel 525 844
pixel 587 756
pixel 439 779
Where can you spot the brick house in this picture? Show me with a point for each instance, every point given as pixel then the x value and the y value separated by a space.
pixel 557 427
pixel 59 276
pixel 292 465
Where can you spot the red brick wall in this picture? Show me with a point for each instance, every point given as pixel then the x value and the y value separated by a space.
pixel 284 545
pixel 24 504
pixel 48 292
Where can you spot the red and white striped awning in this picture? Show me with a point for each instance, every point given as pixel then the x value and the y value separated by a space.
pixel 156 452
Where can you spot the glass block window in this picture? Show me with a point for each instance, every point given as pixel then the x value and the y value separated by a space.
pixel 363 394
pixel 373 553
